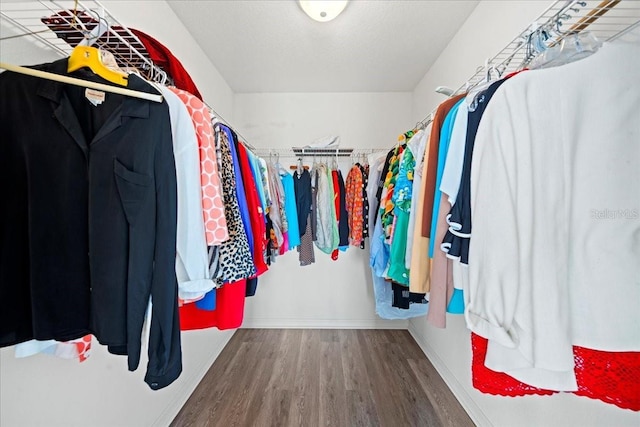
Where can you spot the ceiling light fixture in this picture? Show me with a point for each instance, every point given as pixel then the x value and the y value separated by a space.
pixel 323 10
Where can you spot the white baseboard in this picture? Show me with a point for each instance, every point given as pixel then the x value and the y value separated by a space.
pixel 271 323
pixel 166 417
pixel 475 412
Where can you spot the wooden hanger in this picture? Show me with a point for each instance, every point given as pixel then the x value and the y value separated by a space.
pixel 80 82
pixel 91 57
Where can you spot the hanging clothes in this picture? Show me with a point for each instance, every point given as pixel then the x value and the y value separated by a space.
pixel 106 241
pixel 341 213
pixel 231 261
pixel 452 171
pixel 441 276
pixel 401 200
pixel 256 218
pixel 260 181
pixel 259 174
pixel 314 202
pixel 302 191
pixel 214 218
pixel 304 196
pixel 442 271
pixel 228 313
pixel 443 149
pixel 380 187
pixel 387 216
pixel 306 253
pixel 264 175
pixel 541 292
pixel 276 210
pixel 432 161
pixel 327 233
pixel 364 169
pixel 456 240
pixel 420 265
pixel 239 188
pixel 417 279
pixel 163 58
pixel 355 202
pixel 293 233
pixel 192 260
pixel 382 290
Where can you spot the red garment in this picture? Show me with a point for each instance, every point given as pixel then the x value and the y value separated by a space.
pixel 256 216
pixel 336 202
pixel 228 314
pixel 612 377
pixel 60 23
pixel 163 58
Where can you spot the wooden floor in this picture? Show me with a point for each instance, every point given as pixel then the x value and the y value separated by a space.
pixel 295 377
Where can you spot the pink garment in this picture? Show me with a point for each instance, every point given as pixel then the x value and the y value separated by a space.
pixel 215 222
pixel 441 272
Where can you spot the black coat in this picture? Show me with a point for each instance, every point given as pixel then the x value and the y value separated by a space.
pixel 88 223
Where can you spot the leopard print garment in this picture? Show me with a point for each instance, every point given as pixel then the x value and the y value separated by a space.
pixel 231 261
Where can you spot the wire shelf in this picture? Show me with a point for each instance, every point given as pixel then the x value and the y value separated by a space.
pixel 63 25
pixel 605 19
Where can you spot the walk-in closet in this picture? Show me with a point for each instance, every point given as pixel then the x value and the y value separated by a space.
pixel 320 213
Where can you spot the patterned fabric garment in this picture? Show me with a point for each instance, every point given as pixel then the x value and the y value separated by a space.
pixel 355 205
pixel 276 210
pixel 402 205
pixel 306 253
pixel 231 261
pixel 386 203
pixel 404 182
pixel 265 182
pixel 365 201
pixel 214 212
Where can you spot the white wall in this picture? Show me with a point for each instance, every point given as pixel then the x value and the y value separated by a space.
pixel 328 293
pixel 46 391
pixel 489 28
pixel 23 50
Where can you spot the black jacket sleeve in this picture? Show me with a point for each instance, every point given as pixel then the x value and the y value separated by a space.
pixel 165 356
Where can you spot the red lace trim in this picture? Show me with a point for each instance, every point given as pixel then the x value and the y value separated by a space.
pixel 612 377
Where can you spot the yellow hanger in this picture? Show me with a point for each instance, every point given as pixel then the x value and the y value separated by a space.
pixel 91 57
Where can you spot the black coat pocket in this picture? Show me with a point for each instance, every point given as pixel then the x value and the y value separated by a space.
pixel 133 188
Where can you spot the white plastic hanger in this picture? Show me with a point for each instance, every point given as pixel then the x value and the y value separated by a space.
pixel 572 48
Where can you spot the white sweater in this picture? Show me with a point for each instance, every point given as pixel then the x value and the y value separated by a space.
pixel 555 254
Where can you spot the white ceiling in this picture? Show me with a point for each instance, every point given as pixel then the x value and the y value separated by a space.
pixel 272 46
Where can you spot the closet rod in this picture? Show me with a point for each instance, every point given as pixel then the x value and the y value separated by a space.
pixel 593 15
pixel 319 152
pixel 223 121
pixel 80 82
